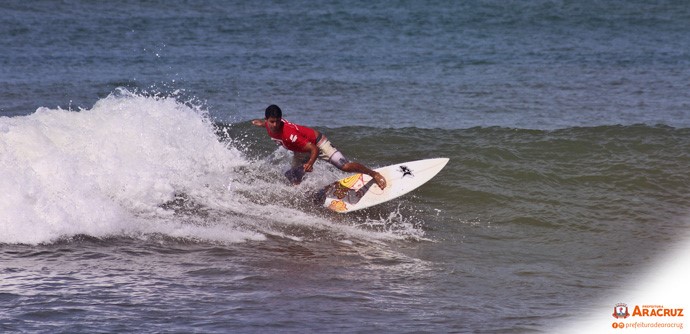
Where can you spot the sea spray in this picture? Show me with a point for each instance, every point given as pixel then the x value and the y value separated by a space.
pixel 137 164
pixel 101 171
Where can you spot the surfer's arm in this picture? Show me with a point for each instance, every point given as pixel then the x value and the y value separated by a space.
pixel 259 122
pixel 313 154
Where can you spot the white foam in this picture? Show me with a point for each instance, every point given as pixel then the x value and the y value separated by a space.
pixel 111 169
pixel 100 171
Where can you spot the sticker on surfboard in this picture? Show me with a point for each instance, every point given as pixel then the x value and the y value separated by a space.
pixel 359 191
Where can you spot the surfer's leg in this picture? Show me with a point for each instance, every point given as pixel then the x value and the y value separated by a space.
pixel 299 159
pixel 296 173
pixel 335 157
pixel 355 167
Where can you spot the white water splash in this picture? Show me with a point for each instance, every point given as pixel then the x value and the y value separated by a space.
pixel 134 165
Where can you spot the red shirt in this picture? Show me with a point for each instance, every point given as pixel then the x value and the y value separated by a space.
pixel 293 137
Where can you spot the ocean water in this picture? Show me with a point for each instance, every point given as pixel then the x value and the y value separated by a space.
pixel 136 197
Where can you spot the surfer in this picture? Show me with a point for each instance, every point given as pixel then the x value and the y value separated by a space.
pixel 308 144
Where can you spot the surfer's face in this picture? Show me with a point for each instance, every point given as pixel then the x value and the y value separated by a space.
pixel 274 124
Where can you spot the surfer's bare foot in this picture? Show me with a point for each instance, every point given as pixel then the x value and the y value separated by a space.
pixel 380 180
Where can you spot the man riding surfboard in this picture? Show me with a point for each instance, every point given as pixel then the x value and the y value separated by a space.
pixel 308 144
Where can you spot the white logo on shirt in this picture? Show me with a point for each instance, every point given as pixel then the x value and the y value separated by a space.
pixel 293 138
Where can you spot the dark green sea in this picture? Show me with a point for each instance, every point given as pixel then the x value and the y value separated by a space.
pixel 136 197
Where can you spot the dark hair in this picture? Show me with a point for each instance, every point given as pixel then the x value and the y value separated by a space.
pixel 274 111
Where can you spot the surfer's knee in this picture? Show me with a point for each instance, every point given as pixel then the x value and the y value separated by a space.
pixel 338 160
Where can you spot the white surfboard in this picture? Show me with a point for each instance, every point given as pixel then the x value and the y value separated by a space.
pixel 359 191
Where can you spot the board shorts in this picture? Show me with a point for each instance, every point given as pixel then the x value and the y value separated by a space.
pixel 326 152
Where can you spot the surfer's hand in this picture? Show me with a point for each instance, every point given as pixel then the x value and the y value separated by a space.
pixel 308 167
pixel 258 122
